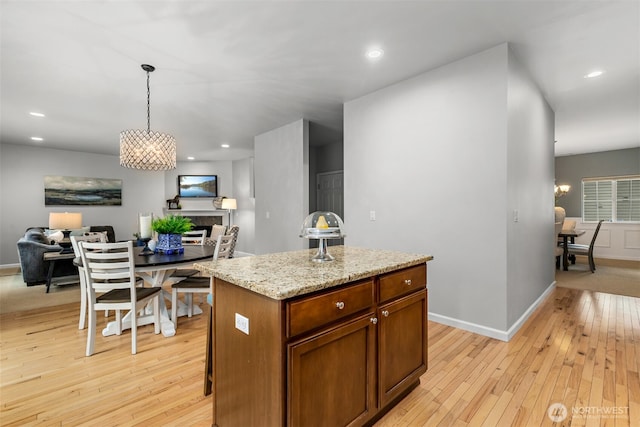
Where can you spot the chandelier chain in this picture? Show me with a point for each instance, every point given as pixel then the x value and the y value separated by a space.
pixel 148 105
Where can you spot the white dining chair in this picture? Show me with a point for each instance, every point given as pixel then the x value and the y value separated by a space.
pixel 191 238
pixel 198 284
pixel 110 270
pixel 98 237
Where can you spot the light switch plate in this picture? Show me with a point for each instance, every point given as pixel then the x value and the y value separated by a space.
pixel 242 323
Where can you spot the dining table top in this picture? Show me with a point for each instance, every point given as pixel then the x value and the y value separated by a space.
pixel 191 253
pixel 571 233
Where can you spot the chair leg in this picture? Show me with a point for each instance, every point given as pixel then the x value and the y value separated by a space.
pixel 119 322
pixel 83 301
pixel 134 330
pixel 558 263
pixel 174 307
pixel 91 335
pixel 208 362
pixel 156 314
pixel 592 264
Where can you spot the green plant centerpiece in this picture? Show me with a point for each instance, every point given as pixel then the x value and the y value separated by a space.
pixel 170 230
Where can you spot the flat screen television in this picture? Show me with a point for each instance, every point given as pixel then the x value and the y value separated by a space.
pixel 198 186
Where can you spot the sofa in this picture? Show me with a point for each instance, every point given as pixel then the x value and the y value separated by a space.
pixel 33 245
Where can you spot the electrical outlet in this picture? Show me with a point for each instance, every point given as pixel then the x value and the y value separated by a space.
pixel 515 215
pixel 267 215
pixel 372 215
pixel 242 323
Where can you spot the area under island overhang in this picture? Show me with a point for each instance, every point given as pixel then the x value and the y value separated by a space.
pixel 297 342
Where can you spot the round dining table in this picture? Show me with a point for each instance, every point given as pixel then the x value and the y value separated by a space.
pixel 156 269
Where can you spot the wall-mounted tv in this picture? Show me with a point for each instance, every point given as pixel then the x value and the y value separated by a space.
pixel 198 185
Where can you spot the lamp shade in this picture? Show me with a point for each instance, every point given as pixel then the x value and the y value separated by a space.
pixel 229 204
pixel 65 220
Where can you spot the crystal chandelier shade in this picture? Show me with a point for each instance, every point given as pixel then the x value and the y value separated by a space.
pixel 148 150
pixel 145 149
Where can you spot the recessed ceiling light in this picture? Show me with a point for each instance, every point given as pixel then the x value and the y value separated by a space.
pixel 593 74
pixel 224 145
pixel 191 158
pixel 374 53
pixel 35 114
pixel 37 138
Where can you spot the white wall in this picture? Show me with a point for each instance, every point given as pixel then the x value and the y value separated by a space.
pixel 281 187
pixel 244 217
pixel 429 156
pixel 22 171
pixel 530 176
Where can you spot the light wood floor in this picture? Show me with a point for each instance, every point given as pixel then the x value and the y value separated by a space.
pixel 580 349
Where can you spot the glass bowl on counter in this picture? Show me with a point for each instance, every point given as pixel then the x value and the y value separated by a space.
pixel 322 225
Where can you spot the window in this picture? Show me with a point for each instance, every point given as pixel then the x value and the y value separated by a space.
pixel 611 199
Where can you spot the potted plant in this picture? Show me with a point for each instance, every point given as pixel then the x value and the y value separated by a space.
pixel 170 230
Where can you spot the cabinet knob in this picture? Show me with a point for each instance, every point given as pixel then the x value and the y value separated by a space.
pixel 385 313
pixel 407 282
pixel 374 320
pixel 340 305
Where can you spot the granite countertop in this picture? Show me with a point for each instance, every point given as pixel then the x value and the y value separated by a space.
pixel 287 274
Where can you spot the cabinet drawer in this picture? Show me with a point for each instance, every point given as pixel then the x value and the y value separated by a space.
pixel 312 312
pixel 403 282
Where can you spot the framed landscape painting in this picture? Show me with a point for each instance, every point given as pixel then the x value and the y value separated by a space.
pixel 75 190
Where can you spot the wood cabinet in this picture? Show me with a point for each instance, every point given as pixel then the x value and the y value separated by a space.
pixel 341 356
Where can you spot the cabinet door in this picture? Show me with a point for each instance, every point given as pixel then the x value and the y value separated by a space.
pixel 403 344
pixel 331 376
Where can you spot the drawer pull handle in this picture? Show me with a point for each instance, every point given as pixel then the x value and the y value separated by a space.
pixel 385 313
pixel 374 320
pixel 407 282
pixel 340 305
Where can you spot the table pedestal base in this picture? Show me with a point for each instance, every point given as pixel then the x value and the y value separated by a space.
pixel 166 325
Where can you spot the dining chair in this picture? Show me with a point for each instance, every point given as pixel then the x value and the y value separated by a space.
pixel 191 238
pixel 194 237
pixel 568 225
pixel 559 215
pixel 102 238
pixel 198 284
pixel 577 249
pixel 110 269
pixel 233 230
pixel 559 249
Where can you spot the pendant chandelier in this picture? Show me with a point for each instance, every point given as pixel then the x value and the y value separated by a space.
pixel 145 149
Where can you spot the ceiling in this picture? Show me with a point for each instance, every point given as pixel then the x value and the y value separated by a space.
pixel 227 71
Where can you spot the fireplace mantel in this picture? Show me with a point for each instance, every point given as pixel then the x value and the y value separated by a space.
pixel 199 212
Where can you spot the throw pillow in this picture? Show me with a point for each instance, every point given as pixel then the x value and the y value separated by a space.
pixel 55 237
pixel 102 236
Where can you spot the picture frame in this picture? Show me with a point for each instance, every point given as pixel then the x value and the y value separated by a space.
pixel 82 191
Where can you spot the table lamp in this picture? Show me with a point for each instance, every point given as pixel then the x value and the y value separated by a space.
pixel 65 221
pixel 229 204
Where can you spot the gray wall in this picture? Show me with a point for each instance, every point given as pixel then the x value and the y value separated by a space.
pixel 572 169
pixel 281 187
pixel 437 158
pixel 22 171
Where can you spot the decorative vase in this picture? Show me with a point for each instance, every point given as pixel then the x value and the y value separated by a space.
pixel 170 244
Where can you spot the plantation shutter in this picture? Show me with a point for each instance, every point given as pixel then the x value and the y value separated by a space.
pixel 628 200
pixel 597 200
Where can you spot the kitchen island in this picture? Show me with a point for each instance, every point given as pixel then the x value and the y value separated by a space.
pixel 300 343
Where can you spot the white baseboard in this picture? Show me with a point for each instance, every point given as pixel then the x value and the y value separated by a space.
pixel 3 266
pixel 491 332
